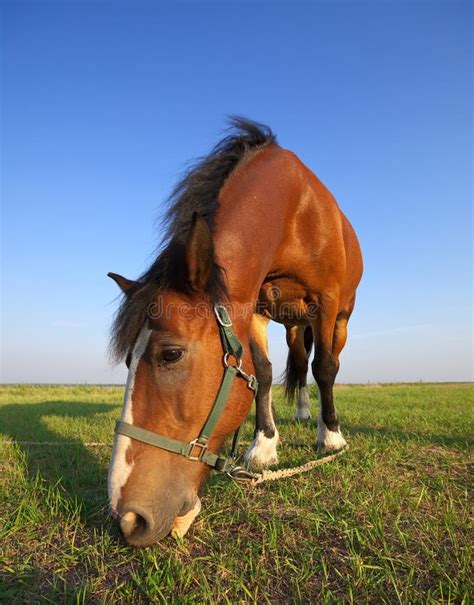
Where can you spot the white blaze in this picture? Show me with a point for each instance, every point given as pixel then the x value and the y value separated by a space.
pixel 120 469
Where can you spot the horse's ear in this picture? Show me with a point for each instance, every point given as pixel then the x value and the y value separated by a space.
pixel 199 254
pixel 122 282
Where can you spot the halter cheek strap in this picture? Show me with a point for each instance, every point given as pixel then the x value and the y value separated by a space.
pixel 197 449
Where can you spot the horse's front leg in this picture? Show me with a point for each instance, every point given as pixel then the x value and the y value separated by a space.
pixel 262 451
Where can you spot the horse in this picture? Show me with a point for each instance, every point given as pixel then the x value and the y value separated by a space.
pixel 251 235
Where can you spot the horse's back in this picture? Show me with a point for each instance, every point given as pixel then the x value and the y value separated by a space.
pixel 320 243
pixel 295 236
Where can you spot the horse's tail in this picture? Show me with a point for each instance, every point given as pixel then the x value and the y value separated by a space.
pixel 291 375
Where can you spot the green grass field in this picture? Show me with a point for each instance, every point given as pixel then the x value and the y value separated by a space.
pixel 388 522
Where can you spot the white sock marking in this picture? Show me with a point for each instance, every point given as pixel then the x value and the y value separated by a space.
pixel 120 469
pixel 262 451
pixel 329 440
pixel 303 412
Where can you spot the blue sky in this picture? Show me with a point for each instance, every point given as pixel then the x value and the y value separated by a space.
pixel 105 103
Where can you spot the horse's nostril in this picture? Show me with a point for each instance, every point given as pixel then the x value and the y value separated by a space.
pixel 128 523
pixel 143 525
pixel 134 527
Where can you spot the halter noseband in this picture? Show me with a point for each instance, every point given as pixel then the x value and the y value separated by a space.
pixel 196 449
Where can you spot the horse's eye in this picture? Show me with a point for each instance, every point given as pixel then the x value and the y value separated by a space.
pixel 171 355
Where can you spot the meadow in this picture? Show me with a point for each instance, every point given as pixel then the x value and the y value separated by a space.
pixel 387 522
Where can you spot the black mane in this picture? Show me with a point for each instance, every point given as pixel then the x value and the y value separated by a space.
pixel 198 191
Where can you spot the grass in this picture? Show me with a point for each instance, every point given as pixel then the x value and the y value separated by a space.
pixel 385 523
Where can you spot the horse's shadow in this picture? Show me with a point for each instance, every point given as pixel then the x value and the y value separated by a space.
pixel 61 459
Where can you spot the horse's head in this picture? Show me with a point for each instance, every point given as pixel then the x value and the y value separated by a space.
pixel 175 373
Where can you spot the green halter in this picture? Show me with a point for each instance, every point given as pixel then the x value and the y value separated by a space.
pixel 197 448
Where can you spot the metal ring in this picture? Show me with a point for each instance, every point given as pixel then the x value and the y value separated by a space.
pixel 227 364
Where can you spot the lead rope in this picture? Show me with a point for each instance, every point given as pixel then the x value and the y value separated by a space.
pixel 242 475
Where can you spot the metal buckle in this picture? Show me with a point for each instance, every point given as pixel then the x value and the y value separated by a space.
pixel 195 443
pixel 226 322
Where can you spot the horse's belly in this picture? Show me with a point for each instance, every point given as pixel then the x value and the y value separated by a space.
pixel 286 302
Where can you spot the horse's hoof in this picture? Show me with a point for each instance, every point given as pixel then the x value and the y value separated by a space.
pixel 303 416
pixel 262 451
pixel 329 441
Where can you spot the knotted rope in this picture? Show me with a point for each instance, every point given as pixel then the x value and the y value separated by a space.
pixel 242 475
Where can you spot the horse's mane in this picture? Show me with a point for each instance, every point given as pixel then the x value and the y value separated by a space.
pixel 198 191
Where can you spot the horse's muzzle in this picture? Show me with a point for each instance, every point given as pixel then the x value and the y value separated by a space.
pixel 142 526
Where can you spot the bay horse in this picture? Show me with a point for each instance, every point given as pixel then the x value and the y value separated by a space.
pixel 251 236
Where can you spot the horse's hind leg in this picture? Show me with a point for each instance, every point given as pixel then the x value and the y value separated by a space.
pixel 330 337
pixel 263 449
pixel 300 341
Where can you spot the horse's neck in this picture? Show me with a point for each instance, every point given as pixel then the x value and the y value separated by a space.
pixel 250 224
pixel 238 249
